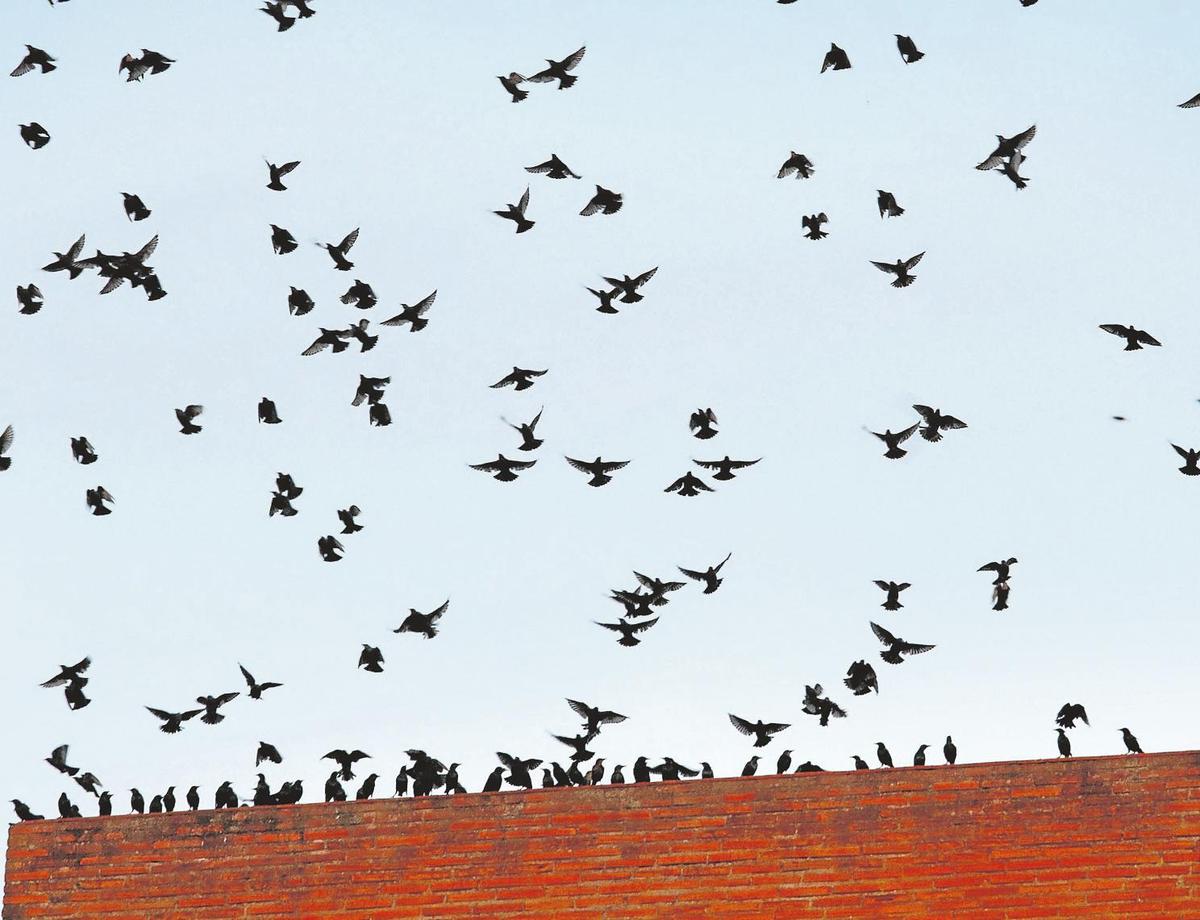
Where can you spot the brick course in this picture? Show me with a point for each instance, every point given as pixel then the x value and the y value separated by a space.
pixel 1096 837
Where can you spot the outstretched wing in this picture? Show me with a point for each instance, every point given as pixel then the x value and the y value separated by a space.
pixel 226 697
pixel 148 250
pixel 742 464
pixel 1186 454
pixel 571 62
pixel 883 635
pixel 540 168
pixel 949 421
pixel 643 626
pixel 579 465
pixel 421 307
pixel 76 248
pixel 615 627
pixel 162 713
pixel 348 241
pixel 690 573
pixel 1115 329
pixel 591 208
pixel 772 728
pixel 504 382
pixel 524 202
pixel 912 263
pixel 884 266
pixel 6 439
pixel 911 648
pixel 1146 338
pixel 644 277
pixel 582 709
pixel 286 167
pixel 609 466
pixel 436 614
pixel 746 728
pixel 1024 137
pixel 926 413
pixel 492 466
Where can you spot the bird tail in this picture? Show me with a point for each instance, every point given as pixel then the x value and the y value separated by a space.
pixel 566 81
pixel 895 211
pixel 519 95
pixel 892 605
pixel 523 225
pixel 904 281
pixel 915 56
pixel 629 640
pixel 895 453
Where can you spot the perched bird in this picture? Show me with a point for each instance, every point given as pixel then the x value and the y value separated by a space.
pixel 502 469
pixel 156 805
pixel 553 168
pixel 784 763
pixel 1001 568
pixel 892 601
pixel 495 780
pixel 6 439
pixel 884 755
pixel 617 777
pixel 812 226
pixel 516 213
pixel 561 776
pixel 835 58
pixel 518 770
pixel 66 808
pixel 361 294
pixel 1131 742
pixel 520 378
pixel 860 677
pixel 453 786
pixel 936 423
pixel 371 659
pixel 168 800
pixel 641 771
pixel 859 763
pixel 605 201
pixel 68 261
pixel 34 57
pixel 267 752
pixel 347 517
pixel 598 469
pixel 346 761
pixel 897 648
pixel 606 300
pixel 367 789
pixel 1064 743
pixel 512 83
pixel 688 485
pixel 628 630
pixel 69 674
pixel 670 771
pixel 701 423
pixel 267 413
pixel 30 299
pixel 413 315
pixel 1191 103
pixel 299 302
pixel 708 576
pixel 104 805
pixel 333 789
pixel 149 62
pixel 1189 467
pixel 402 782
pixel 278 172
pixel 137 804
pixel 423 624
pixel 796 164
pixel 894 440
pixel 187 419
pixel 762 731
pixel 1070 714
pixel 908 49
pixel 559 70
pixel 88 782
pixel 225 797
pixel 887 204
pixel 337 339
pixel 751 766
pixel 135 209
pixel 82 451
pixel 96 498
pixel 1007 146
pixel 339 252
pixel 629 286
pixel 330 549
pixel 1000 596
pixel 212 703
pixel 724 467
pixel 809 767
pixel 173 721
pixel 578 745
pixel 919 756
pixel 58 760
pixel 528 441
pixel 900 268
pixel 193 798
pixel 949 750
pixel 34 135
pixel 817 705
pixel 1134 338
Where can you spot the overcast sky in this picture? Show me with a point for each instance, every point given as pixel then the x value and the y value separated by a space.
pixel 403 130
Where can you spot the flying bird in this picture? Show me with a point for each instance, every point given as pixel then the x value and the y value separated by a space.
pixel 893 440
pixel 512 83
pixel 211 704
pixel 598 469
pixel 149 62
pixel 282 240
pixel 423 624
pixel 861 678
pixel 1191 103
pixel 1134 338
pixel 897 648
pixel 281 504
pixel 1007 146
pixel 1011 168
pixel 578 745
pixel 553 168
pixel 34 135
pixel 595 718
pixel 1001 568
pixel 688 485
pixel 347 517
pixel 267 413
pixel 605 201
pixel 337 339
pixel 701 422
pixel 1070 714
pixel 274 9
pixel 361 294
pixel 815 704
pixel 528 441
pixel 135 208
pixel 516 213
pixel 1000 596
pixel 34 57
pixel 900 268
pixel 606 300
pixel 760 730
pixel 812 226
pixel 908 49
pixel 256 689
pixel 58 760
pixel 520 378
pixel 330 549
pixel 278 172
pixel 96 498
pixel 502 469
pixel 379 414
pixel 670 771
pixel 835 58
pixel 560 70
pixel 658 588
pixel 187 417
pixel 371 659
pixel 69 261
pixel 724 468
pixel 936 423
pixel 69 674
pixel 299 302
pixel 708 576
pixel 345 761
pixel 339 252
pixel 89 782
pixel 413 315
pixel 173 721
pixel 887 204
pixel 369 389
pixel 629 286
pixel 82 451
pixel 628 630
pixel 892 602
pixel 796 164
pixel 30 299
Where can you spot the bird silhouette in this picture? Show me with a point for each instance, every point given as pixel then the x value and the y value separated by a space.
pixel 502 469
pixel 887 204
pixel 518 770
pixel 724 467
pixel 897 648
pixel 760 730
pixel 347 517
pixel 861 678
pixel 137 804
pixel 604 201
pixel 1007 146
pixel 371 659
pixel 835 58
pixel 346 761
pixel 330 548
pixel 688 485
pixel 894 440
pixel 595 718
pixel 173 721
pixel 96 498
pixel 658 588
pixel 1190 457
pixel 784 763
pixel 225 797
pixel 193 798
pixel 1002 569
pixel 629 287
pixel 750 768
pixel 88 782
pixel 187 419
pixel 949 750
pixel 528 441
pixel 30 298
pixel 370 389
pixel 135 208
pixel 553 168
pixel 701 423
pixel 34 58
pixel 919 756
pixel 629 631
pixel 339 251
pixel 1064 743
pixel 280 504
pixel 1071 713
pixel 413 315
pixel 6 440
pixel 283 22
pixel 58 760
pixel 423 624
pixel 148 61
pixel 815 704
pixel 1011 167
pixel 859 763
pixel 1000 596
pixel 560 70
pixel 512 83
pixel 812 224
pixel 1131 742
pixel 68 261
pixel 267 413
pixel 617 777
pixel 885 757
pixel 213 703
pixel 267 752
pixel 82 451
pixel 901 269
pixel 278 172
pixel 334 792
pixel 367 789
pixel 936 423
pixel 66 808
pixel 908 49
pixel 70 674
pixel 519 378
pixel 797 165
pixel 670 771
pixel 361 294
pixel 708 576
pixel 299 302
pixel 1191 103
pixel 809 767
pixel 1134 338
pixel 892 601
pixel 516 213
pixel 168 800
pixel 34 135
pixel 104 805
pixel 402 782
pixel 578 745
pixel 598 469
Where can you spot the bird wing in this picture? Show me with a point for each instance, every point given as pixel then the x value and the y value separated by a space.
pixel 436 614
pixel 610 466
pixel 113 283
pixel 912 648
pixel 1191 103
pixel 582 708
pixel 541 167
pixel 76 248
pixel 569 742
pixel 23 68
pixel 82 665
pixel 949 421
pixel 1024 137
pixel 355 756
pixel 686 771
pixel 508 760
pixel 319 345
pixel 884 266
pixel 698 576
pixel 1082 713
pixel 148 250
pixel 884 636
pixel 772 728
pixel 742 464
pixel 643 278
pixel 425 304
pixel 162 713
pixel 678 484
pixel 925 412
pixel 286 168
pixel 492 466
pixel 104 494
pixel 505 381
pixel 591 208
pixel 902 436
pixel 615 627
pixel 645 580
pixel 912 263
pixel 6 439
pixel 643 626
pixel 578 464
pixel 1183 453
pixel 701 485
pixel 745 727
pixel 348 241
pixel 1146 338
pixel 574 59
pixel 995 566
pixel 883 585
pixel 1115 329
pixel 521 464
pixel 225 698
pixel 537 418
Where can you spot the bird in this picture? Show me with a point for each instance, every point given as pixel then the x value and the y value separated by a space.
pixel 919 756
pixel 367 789
pixel 69 674
pixel 173 721
pixel 330 548
pixel 282 241
pixel 495 779
pixel 82 451
pixel 299 302
pixel 1131 742
pixel 75 697
pixel 604 201
pixel 658 588
pixel 688 485
pixel 1190 457
pixel 1011 170
pixel 708 576
pixel 1001 568
pixel 413 315
pixel 817 705
pixel 553 168
pixel 34 57
pixel 135 209
pixel 812 226
pixel 908 49
pixel 629 286
pixel 606 300
pixel 346 761
pixel 641 771
pixel 519 378
pixel 518 770
pixel 168 800
pixel 578 744
pixel 280 504
pixel 1134 338
pixel 212 703
pixel 598 469
pixel 339 251
pixel 900 268
pixel 58 760
pixel 809 767
pixel 286 485
pixel 88 782
pixel 560 70
pixel 1064 743
pixel 835 58
pixel 797 165
pixel 96 498
pixel 256 689
pixel 402 782
pixel 225 797
pixel 347 517
pixel 68 261
pixel 268 752
pixel 751 766
pixel 151 62
pixel 884 755
pixel 512 83
pixel 193 798
pixel 380 415
pixel 278 172
pixel 361 294
pixel 949 750
pixel 187 419
pixel 594 717
pixel 502 469
pixel 1000 596
pixel 724 467
pixel 628 630
pixel 6 440
pixel 371 659
pixel 334 792
pixel 861 678
pixel 34 135
pixel 936 423
pixel 596 774
pixel 1191 103
pixel 358 331
pixel 268 414
pixel 369 389
pixel 894 440
pixel 784 763
pixel 66 808
pixel 1070 714
pixel 274 9
pixel 617 777
pixel 701 424
pixel 859 763
pixel 892 601
pixel 104 805
pixel 636 602
pixel 137 804
pixel 887 204
pixel 516 213
pixel 156 805
pixel 30 298
pixel 1007 146
pixel 897 648
pixel 452 782
pixel 423 624
pixel 762 731
pixel 528 441
pixel 670 771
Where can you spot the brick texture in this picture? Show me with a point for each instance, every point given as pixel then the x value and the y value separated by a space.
pixel 1095 837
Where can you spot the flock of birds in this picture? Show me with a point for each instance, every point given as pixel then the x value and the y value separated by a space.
pixel 641 604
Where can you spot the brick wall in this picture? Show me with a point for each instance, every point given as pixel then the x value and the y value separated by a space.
pixel 1100 836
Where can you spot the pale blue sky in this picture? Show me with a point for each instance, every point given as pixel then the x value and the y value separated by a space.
pixel 688 110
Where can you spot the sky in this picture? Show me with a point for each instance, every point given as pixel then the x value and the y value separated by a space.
pixel 402 130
